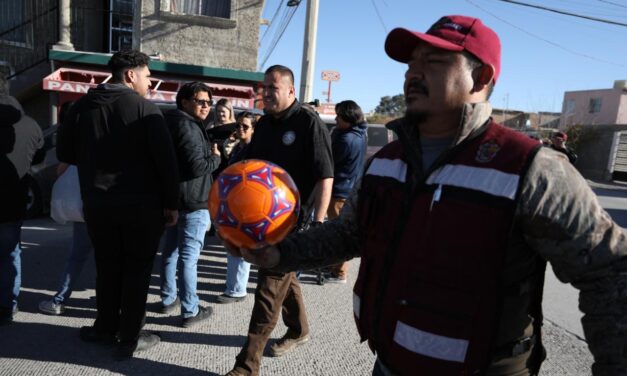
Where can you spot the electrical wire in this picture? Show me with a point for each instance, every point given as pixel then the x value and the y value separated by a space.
pixel 276 12
pixel 616 4
pixel 543 39
pixel 379 15
pixel 565 13
pixel 285 22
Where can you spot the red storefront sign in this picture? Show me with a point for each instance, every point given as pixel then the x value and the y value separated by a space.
pixel 79 81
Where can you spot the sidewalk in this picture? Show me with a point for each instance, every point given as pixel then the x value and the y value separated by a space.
pixel 38 344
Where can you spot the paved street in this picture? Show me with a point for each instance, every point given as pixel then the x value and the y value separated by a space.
pixel 38 344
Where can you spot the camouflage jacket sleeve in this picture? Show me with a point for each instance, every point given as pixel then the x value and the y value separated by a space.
pixel 330 243
pixel 563 221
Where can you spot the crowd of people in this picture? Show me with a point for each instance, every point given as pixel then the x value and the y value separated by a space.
pixel 425 301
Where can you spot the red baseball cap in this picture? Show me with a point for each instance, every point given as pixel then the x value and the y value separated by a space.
pixel 452 33
pixel 561 135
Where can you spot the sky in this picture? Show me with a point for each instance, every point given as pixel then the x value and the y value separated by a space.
pixel 544 54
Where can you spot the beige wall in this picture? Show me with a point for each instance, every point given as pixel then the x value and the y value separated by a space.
pixel 199 40
pixel 611 101
pixel 621 118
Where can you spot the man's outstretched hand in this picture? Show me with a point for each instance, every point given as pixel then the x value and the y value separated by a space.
pixel 266 257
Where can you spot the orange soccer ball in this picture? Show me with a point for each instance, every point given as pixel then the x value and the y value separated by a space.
pixel 254 203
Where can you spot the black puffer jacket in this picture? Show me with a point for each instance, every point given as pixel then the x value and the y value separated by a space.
pixel 196 163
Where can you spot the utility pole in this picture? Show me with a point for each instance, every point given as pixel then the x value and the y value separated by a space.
pixel 309 52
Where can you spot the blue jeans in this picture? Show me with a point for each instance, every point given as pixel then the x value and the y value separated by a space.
pixel 10 265
pixel 237 271
pixel 184 240
pixel 81 249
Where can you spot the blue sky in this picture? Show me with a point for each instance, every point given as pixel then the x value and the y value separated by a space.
pixel 544 54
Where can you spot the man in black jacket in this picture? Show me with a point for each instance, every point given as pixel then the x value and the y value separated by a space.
pixel 196 160
pixel 129 183
pixel 20 139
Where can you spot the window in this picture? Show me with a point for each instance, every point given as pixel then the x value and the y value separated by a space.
pixel 211 8
pixel 121 25
pixel 16 27
pixel 595 105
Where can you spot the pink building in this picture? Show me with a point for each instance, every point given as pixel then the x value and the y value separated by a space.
pixel 593 107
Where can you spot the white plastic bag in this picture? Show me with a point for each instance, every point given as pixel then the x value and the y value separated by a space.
pixel 66 204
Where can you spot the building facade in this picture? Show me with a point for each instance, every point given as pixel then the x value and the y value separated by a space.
pixel 54 50
pixel 594 107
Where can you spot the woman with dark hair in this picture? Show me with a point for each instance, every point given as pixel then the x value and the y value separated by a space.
pixel 237 269
pixel 349 142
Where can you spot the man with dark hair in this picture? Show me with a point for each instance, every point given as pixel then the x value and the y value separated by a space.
pixel 297 140
pixel 196 161
pixel 129 184
pixel 455 221
pixel 20 139
pixel 558 143
pixel 349 142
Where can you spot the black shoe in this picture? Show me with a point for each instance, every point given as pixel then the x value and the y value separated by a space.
pixel 203 314
pixel 145 341
pixel 166 309
pixel 91 335
pixel 226 299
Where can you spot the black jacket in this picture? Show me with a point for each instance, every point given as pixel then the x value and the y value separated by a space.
pixel 196 163
pixel 123 151
pixel 20 139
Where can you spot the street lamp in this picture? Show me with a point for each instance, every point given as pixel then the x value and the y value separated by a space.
pixel 293 3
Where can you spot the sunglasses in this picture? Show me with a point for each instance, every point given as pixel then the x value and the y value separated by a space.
pixel 203 102
pixel 243 126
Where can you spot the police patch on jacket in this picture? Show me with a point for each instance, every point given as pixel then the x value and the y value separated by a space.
pixel 288 138
pixel 487 151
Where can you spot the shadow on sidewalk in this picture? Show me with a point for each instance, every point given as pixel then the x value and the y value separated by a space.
pixel 62 345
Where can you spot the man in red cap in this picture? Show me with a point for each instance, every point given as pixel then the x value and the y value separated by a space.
pixel 455 221
pixel 558 142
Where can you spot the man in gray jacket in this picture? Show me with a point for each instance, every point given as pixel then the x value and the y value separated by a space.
pixel 20 139
pixel 454 224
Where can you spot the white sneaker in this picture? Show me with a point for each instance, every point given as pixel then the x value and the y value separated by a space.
pixel 51 308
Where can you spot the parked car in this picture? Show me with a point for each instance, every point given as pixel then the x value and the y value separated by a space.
pixel 42 176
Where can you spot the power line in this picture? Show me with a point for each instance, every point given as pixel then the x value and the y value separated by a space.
pixel 276 12
pixel 543 39
pixel 564 12
pixel 379 15
pixel 285 22
pixel 609 2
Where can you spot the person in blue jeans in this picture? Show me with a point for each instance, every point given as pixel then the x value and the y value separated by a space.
pixel 20 142
pixel 237 269
pixel 183 242
pixel 81 249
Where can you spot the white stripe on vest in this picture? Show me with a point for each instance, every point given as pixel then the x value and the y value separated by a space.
pixel 393 168
pixel 429 344
pixel 356 305
pixel 486 180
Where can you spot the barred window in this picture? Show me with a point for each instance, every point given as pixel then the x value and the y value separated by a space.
pixel 212 8
pixel 16 26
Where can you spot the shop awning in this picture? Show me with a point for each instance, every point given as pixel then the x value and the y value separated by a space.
pixel 79 81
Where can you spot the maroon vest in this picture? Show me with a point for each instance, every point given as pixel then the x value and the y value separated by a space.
pixel 427 294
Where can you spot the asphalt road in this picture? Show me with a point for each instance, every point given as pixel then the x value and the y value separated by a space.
pixel 39 344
